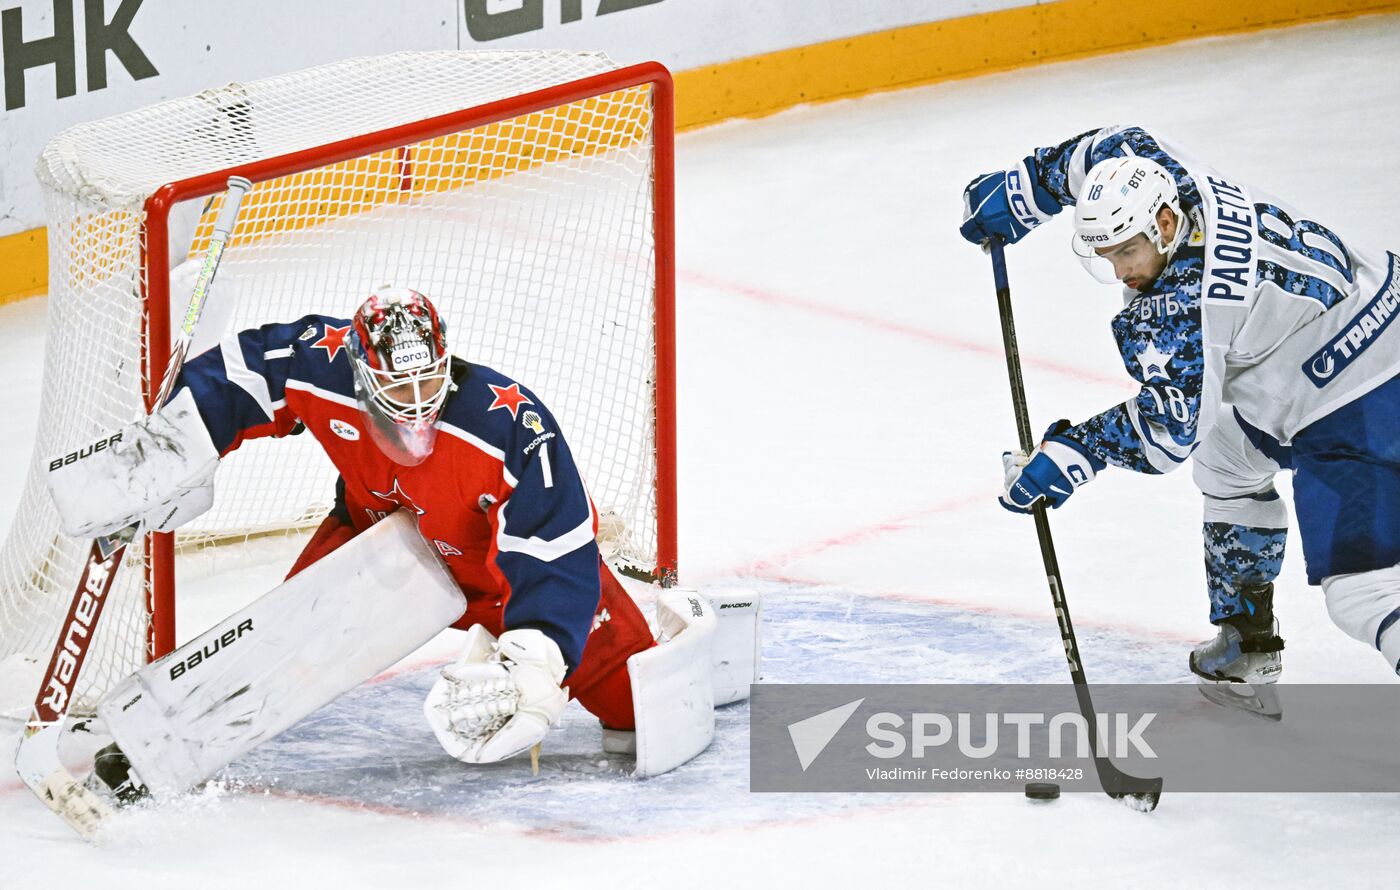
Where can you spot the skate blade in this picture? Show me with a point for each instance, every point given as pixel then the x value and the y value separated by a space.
pixel 1259 701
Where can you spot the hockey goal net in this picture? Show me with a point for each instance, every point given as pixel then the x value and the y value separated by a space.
pixel 528 193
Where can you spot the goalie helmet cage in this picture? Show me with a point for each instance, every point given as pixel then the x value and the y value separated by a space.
pixel 529 194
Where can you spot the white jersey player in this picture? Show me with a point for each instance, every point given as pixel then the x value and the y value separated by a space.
pixel 1261 341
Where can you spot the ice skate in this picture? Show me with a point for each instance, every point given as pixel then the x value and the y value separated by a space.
pixel 113 778
pixel 1238 666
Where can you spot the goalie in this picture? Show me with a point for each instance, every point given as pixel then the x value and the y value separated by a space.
pixel 475 457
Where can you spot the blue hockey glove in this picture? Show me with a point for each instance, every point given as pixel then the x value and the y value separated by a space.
pixel 1057 469
pixel 1008 203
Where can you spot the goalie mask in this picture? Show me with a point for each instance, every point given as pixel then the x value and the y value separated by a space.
pixel 398 350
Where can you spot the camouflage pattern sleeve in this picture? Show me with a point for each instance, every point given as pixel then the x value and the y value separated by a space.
pixel 1061 168
pixel 1160 339
pixel 1160 332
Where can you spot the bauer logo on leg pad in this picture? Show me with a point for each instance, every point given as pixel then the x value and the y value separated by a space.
pixel 86 451
pixel 209 650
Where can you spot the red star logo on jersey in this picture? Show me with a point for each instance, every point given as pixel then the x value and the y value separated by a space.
pixel 332 341
pixel 398 496
pixel 508 397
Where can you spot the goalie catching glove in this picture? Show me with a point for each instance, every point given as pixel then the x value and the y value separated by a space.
pixel 500 698
pixel 158 470
pixel 1054 471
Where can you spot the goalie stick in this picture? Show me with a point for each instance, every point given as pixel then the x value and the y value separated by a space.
pixel 1140 794
pixel 36 758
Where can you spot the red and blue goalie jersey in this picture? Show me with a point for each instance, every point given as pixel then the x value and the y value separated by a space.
pixel 499 497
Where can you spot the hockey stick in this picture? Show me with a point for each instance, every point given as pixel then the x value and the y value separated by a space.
pixel 1140 794
pixel 36 758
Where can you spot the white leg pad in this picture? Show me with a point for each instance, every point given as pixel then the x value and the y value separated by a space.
pixel 256 673
pixel 738 641
pixel 673 694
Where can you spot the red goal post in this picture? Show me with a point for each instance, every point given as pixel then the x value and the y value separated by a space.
pixel 541 221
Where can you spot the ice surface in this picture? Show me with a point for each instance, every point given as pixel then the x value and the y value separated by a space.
pixel 843 408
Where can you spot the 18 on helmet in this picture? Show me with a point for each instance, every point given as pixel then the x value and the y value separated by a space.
pixel 398 350
pixel 1120 199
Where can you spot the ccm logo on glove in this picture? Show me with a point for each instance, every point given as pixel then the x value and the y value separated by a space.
pixel 1058 468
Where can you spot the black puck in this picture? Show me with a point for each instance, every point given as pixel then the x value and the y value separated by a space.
pixel 1043 791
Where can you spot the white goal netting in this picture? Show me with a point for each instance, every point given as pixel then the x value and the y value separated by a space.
pixel 531 224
